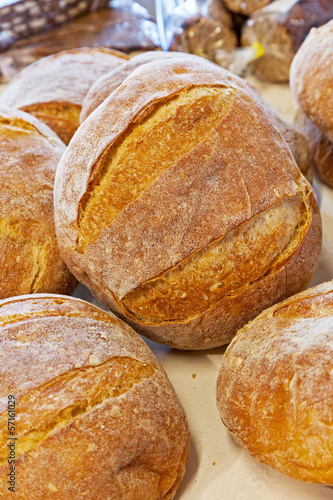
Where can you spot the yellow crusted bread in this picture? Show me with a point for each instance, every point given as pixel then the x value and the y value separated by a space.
pixel 96 417
pixel 180 206
pixel 29 255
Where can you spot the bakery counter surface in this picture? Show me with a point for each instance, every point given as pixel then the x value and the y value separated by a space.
pixel 218 468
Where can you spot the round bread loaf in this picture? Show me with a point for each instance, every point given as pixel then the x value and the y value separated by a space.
pixel 321 148
pixel 275 386
pixel 311 78
pixel 29 256
pixel 95 415
pixel 53 88
pixel 107 83
pixel 180 206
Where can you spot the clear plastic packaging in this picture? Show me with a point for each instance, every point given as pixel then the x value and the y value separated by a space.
pixel 196 26
pixel 204 28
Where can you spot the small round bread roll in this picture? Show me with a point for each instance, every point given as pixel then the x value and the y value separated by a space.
pixel 321 148
pixel 107 83
pixel 53 88
pixel 275 386
pixel 311 78
pixel 95 415
pixel 29 256
pixel 180 206
pixel 245 7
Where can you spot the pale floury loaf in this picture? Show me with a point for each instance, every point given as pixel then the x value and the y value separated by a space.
pixel 275 386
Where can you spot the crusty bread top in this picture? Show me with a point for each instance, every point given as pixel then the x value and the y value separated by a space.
pixel 96 413
pixel 64 77
pixel 106 84
pixel 218 171
pixel 30 260
pixel 77 347
pixel 311 77
pixel 275 386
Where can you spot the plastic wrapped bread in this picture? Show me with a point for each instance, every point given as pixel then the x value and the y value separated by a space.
pixel 204 33
pixel 280 28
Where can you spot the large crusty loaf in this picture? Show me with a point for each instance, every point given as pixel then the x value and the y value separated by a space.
pixel 280 28
pixel 179 205
pixel 275 386
pixel 96 416
pixel 311 78
pixel 53 88
pixel 107 83
pixel 321 148
pixel 29 254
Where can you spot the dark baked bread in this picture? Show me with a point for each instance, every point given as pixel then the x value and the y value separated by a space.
pixel 29 254
pixel 311 78
pixel 53 88
pixel 275 386
pixel 180 206
pixel 96 415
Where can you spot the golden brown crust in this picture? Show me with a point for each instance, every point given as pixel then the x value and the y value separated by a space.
pixel 294 137
pixel 321 148
pixel 29 254
pixel 121 221
pixel 96 414
pixel 280 28
pixel 106 84
pixel 275 388
pixel 54 87
pixel 311 78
